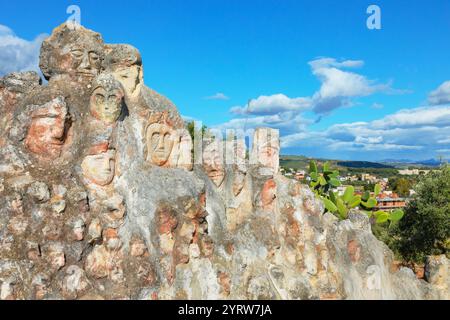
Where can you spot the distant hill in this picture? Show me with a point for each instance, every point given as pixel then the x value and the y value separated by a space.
pixel 395 162
pixel 430 162
pixel 302 162
pixel 363 164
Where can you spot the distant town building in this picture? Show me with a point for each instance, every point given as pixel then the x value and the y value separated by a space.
pixel 390 201
pixel 412 172
pixel 367 177
pixel 383 184
pixel 351 178
pixel 300 175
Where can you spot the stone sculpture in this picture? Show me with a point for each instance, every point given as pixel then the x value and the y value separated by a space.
pixel 239 166
pixel 77 53
pixel 266 149
pixel 166 146
pixel 184 159
pixel 99 166
pixel 48 130
pixel 213 162
pixel 106 103
pixel 268 195
pixel 160 139
pixel 125 64
pixel 94 204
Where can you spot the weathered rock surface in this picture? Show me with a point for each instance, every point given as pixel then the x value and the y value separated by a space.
pixel 100 199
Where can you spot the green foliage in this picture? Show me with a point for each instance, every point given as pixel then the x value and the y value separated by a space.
pixel 387 232
pixel 386 173
pixel 191 128
pixel 325 180
pixel 397 215
pixel 425 229
pixel 401 186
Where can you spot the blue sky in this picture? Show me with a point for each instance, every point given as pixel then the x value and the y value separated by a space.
pixel 313 69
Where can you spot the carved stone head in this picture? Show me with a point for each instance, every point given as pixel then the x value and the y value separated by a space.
pixel 124 62
pixel 72 51
pixel 99 166
pixel 185 150
pixel 160 140
pixel 106 103
pixel 239 167
pixel 266 148
pixel 213 162
pixel 268 195
pixel 47 132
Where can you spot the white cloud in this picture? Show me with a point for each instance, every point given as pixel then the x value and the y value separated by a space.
pixel 286 122
pixel 369 140
pixel 339 86
pixel 188 118
pixel 17 54
pixel 441 95
pixel 432 116
pixel 424 129
pixel 359 146
pixel 338 89
pixel 331 62
pixel 377 106
pixel 269 105
pixel 217 96
pixel 339 83
pixel 444 141
pixel 418 132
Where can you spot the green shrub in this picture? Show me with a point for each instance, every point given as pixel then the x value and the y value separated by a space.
pixel 324 179
pixel 425 229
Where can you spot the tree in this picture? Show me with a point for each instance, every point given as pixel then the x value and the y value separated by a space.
pixel 369 186
pixel 425 228
pixel 402 186
pixel 191 128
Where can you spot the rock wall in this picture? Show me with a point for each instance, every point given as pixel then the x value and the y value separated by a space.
pixel 100 199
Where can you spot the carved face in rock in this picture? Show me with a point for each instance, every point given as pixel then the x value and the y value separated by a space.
pixel 125 64
pixel 160 143
pixel 99 168
pixel 185 151
pixel 129 77
pixel 213 163
pixel 268 195
pixel 106 101
pixel 269 155
pixel 77 52
pixel 267 147
pixel 47 132
pixel 239 167
pixel 85 62
pixel 239 181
